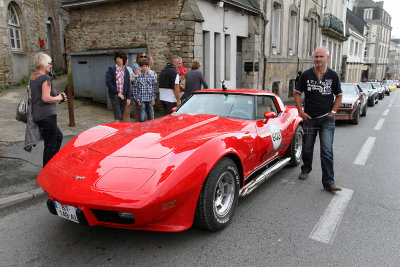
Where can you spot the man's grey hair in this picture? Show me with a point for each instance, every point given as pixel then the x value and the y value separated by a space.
pixel 325 48
pixel 175 58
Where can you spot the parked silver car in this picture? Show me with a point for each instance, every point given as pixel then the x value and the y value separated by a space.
pixel 371 92
pixel 381 89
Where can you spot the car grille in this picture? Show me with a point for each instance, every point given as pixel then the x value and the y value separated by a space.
pixel 112 217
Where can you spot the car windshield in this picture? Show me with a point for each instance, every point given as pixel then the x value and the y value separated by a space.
pixel 366 86
pixel 349 89
pixel 376 85
pixel 222 105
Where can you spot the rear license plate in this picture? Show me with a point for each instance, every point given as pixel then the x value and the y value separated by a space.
pixel 66 212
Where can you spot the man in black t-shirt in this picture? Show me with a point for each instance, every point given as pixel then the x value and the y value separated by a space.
pixel 322 98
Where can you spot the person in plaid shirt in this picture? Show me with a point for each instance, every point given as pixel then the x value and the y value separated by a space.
pixel 119 85
pixel 144 91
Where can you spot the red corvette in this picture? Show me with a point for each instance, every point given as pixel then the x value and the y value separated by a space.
pixel 168 173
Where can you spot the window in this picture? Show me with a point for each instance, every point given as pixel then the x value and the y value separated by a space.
pixel 351 47
pixel 14 29
pixel 356 51
pixel 312 35
pixel 276 29
pixel 227 57
pixel 368 13
pixel 292 33
pixel 265 104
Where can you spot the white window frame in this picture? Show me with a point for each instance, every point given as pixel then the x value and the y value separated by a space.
pixel 276 29
pixel 368 13
pixel 292 33
pixel 14 29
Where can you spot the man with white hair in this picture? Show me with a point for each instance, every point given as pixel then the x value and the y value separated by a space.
pixel 322 98
pixel 169 84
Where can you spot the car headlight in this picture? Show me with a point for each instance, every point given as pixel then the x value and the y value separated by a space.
pixel 345 105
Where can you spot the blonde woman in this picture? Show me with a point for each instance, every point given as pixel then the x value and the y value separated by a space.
pixel 44 109
pixel 194 79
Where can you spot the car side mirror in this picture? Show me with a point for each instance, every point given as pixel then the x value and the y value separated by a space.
pixel 173 109
pixel 269 115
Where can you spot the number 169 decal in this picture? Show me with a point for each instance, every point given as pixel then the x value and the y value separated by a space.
pixel 276 135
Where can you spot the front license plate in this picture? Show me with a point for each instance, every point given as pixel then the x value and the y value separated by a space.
pixel 66 212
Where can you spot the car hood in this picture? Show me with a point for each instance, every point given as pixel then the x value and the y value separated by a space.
pixel 349 99
pixel 155 139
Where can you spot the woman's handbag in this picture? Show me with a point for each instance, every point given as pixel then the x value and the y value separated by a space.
pixel 22 108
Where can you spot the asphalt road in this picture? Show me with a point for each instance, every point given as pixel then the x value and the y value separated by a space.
pixel 277 225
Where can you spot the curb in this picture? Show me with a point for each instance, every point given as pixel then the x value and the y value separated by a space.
pixel 21 197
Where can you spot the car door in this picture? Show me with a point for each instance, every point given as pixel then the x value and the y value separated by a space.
pixel 272 134
pixel 363 97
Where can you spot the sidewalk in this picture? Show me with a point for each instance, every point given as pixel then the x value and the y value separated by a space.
pixel 18 168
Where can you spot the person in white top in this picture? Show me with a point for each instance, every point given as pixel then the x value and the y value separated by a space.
pixel 169 84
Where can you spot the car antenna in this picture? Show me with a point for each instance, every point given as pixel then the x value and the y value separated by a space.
pixel 223 85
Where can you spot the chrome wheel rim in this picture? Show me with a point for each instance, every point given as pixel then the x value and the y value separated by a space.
pixel 298 145
pixel 224 194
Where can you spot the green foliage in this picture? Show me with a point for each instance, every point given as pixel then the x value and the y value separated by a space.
pixel 24 80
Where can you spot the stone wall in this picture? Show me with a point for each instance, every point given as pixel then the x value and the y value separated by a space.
pixel 164 27
pixel 14 65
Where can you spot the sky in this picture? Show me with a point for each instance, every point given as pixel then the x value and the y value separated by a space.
pixel 393 8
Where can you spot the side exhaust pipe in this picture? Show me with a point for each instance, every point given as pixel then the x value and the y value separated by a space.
pixel 256 182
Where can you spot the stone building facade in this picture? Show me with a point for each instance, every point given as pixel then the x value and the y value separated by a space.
pixel 393 72
pixel 334 33
pixel 378 37
pixel 292 35
pixel 23 24
pixel 353 49
pixel 222 34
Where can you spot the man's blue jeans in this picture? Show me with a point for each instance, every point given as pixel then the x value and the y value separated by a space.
pixel 325 126
pixel 146 108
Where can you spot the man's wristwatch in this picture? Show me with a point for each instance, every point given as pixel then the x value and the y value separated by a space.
pixel 334 112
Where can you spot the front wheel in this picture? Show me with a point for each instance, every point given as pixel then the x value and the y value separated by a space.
pixel 296 146
pixel 356 116
pixel 218 197
pixel 364 113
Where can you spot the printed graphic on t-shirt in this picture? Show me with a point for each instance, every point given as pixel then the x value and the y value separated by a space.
pixel 324 87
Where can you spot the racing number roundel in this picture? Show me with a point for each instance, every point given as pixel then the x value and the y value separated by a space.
pixel 276 135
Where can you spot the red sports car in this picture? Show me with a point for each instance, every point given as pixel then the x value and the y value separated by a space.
pixel 184 168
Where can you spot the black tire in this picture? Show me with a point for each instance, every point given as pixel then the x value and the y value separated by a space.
pixel 364 113
pixel 372 103
pixel 356 116
pixel 218 197
pixel 296 145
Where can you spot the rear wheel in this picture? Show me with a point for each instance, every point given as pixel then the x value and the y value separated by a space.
pixel 356 116
pixel 296 146
pixel 218 197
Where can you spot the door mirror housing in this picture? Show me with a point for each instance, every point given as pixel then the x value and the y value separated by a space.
pixel 269 115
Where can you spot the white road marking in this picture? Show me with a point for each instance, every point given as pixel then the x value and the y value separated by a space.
pixel 390 105
pixel 325 230
pixel 379 124
pixel 363 155
pixel 386 112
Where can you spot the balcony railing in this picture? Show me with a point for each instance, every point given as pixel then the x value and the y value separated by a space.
pixel 332 23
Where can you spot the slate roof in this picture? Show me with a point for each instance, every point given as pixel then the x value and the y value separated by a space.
pixel 248 5
pixel 355 22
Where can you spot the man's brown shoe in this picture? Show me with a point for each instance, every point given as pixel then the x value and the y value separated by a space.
pixel 303 175
pixel 332 188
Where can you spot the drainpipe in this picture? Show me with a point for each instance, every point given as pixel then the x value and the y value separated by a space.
pixel 263 44
pixel 322 16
